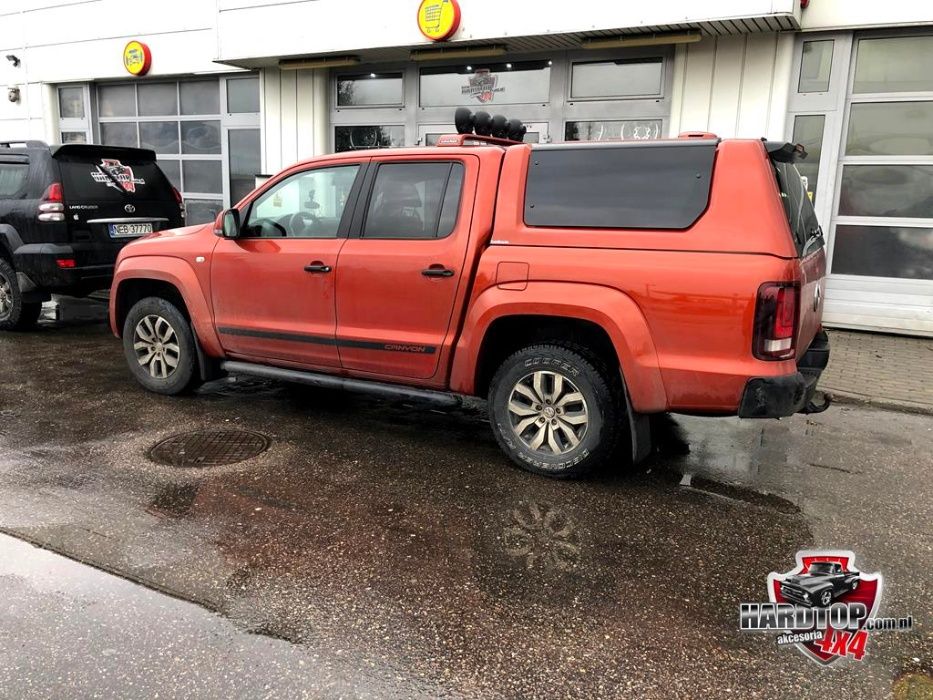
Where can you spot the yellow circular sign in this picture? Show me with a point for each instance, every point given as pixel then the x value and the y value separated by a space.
pixel 439 19
pixel 137 58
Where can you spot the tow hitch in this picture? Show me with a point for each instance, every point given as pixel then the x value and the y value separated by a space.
pixel 813 407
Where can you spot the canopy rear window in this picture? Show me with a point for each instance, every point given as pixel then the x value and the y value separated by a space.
pixel 656 185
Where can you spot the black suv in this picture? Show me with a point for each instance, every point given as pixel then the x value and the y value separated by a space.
pixel 65 213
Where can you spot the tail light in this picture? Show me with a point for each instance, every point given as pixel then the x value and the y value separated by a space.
pixel 52 206
pixel 776 316
pixel 179 200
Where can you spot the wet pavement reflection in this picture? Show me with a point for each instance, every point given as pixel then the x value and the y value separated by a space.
pixel 397 539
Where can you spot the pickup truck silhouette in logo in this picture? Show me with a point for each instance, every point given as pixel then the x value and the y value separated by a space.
pixel 819 585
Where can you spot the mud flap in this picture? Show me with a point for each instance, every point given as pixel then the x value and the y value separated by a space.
pixel 639 425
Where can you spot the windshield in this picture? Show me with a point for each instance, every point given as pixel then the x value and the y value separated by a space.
pixel 798 208
pixel 114 179
pixel 821 568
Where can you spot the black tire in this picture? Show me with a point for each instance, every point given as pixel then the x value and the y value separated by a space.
pixel 601 388
pixel 15 314
pixel 184 375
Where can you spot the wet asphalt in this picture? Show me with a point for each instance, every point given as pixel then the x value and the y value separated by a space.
pixel 388 549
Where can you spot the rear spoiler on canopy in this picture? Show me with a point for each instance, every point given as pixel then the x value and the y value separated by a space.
pixel 785 152
pixel 92 151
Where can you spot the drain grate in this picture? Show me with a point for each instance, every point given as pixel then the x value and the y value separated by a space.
pixel 209 448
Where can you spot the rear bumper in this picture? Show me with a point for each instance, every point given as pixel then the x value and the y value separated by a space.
pixel 781 396
pixel 39 264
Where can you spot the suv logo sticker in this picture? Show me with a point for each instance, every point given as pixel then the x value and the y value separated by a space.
pixel 113 173
pixel 824 606
pixel 482 85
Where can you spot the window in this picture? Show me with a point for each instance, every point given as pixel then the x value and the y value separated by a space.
pixel 307 205
pixel 808 131
pixel 884 251
pixel 158 99
pixel 161 137
pixel 494 84
pixel 354 138
pixel 244 151
pixel 117 100
pixel 243 95
pixel 119 134
pixel 71 102
pixel 200 97
pixel 903 191
pixel 816 64
pixel 797 207
pixel 623 186
pixel 369 89
pixel 898 64
pixel 414 200
pixel 73 137
pixel 12 178
pixel 626 130
pixel 607 80
pixel 890 129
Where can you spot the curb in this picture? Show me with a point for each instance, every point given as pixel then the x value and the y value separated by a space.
pixel 847 397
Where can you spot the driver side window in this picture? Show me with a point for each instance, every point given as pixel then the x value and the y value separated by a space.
pixel 306 205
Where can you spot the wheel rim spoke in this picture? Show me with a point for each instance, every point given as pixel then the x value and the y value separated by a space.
pixel 156 345
pixel 537 409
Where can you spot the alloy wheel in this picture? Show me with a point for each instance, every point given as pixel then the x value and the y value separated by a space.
pixel 548 412
pixel 156 346
pixel 6 297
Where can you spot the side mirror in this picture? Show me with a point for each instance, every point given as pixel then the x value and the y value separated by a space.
pixel 228 224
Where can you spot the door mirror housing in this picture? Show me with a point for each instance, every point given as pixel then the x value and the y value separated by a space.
pixel 228 224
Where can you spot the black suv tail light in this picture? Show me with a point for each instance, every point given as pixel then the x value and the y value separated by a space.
pixel 776 315
pixel 52 207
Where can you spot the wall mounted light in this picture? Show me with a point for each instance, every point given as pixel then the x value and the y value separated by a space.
pixel 321 62
pixel 460 52
pixel 13 59
pixel 12 94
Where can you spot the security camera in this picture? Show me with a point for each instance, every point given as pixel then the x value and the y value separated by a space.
pixel 13 59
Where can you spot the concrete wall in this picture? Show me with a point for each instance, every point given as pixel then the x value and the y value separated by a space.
pixel 733 86
pixel 857 14
pixel 67 40
pixel 322 26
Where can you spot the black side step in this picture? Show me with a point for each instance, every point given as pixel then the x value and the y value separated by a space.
pixel 328 381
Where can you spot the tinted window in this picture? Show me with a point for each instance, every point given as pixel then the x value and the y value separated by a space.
pixel 615 79
pixel 414 200
pixel 648 185
pixel 12 178
pixel 306 205
pixel 488 85
pixel 369 89
pixel 797 206
pixel 113 179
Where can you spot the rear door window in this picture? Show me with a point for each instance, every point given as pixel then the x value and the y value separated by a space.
pixel 113 179
pixel 12 178
pixel 799 210
pixel 414 200
pixel 628 186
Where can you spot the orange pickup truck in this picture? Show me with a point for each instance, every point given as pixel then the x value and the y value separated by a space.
pixel 580 288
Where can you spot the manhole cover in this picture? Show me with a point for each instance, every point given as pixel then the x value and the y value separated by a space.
pixel 209 448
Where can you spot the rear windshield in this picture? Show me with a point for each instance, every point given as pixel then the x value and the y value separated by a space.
pixel 12 178
pixel 800 215
pixel 646 185
pixel 113 179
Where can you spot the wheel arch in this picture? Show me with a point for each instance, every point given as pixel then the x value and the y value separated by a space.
pixel 603 316
pixel 169 278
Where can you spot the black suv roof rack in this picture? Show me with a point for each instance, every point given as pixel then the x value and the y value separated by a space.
pixel 24 143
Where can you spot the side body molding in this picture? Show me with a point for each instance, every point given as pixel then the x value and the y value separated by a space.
pixel 612 310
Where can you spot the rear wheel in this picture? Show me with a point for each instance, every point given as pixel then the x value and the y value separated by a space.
pixel 556 410
pixel 159 347
pixel 15 314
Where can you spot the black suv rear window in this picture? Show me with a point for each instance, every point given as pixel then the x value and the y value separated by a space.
pixel 657 185
pixel 113 179
pixel 12 178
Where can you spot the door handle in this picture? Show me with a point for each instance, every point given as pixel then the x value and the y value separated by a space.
pixel 437 271
pixel 317 266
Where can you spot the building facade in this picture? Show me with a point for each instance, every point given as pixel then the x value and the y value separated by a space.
pixel 242 87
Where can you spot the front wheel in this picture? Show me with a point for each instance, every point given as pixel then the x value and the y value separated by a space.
pixel 159 347
pixel 556 410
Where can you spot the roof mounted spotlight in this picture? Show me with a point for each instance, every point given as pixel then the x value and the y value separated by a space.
pixel 463 120
pixel 500 126
pixel 516 130
pixel 482 123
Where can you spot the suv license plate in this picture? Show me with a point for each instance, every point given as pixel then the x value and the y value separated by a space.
pixel 129 230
